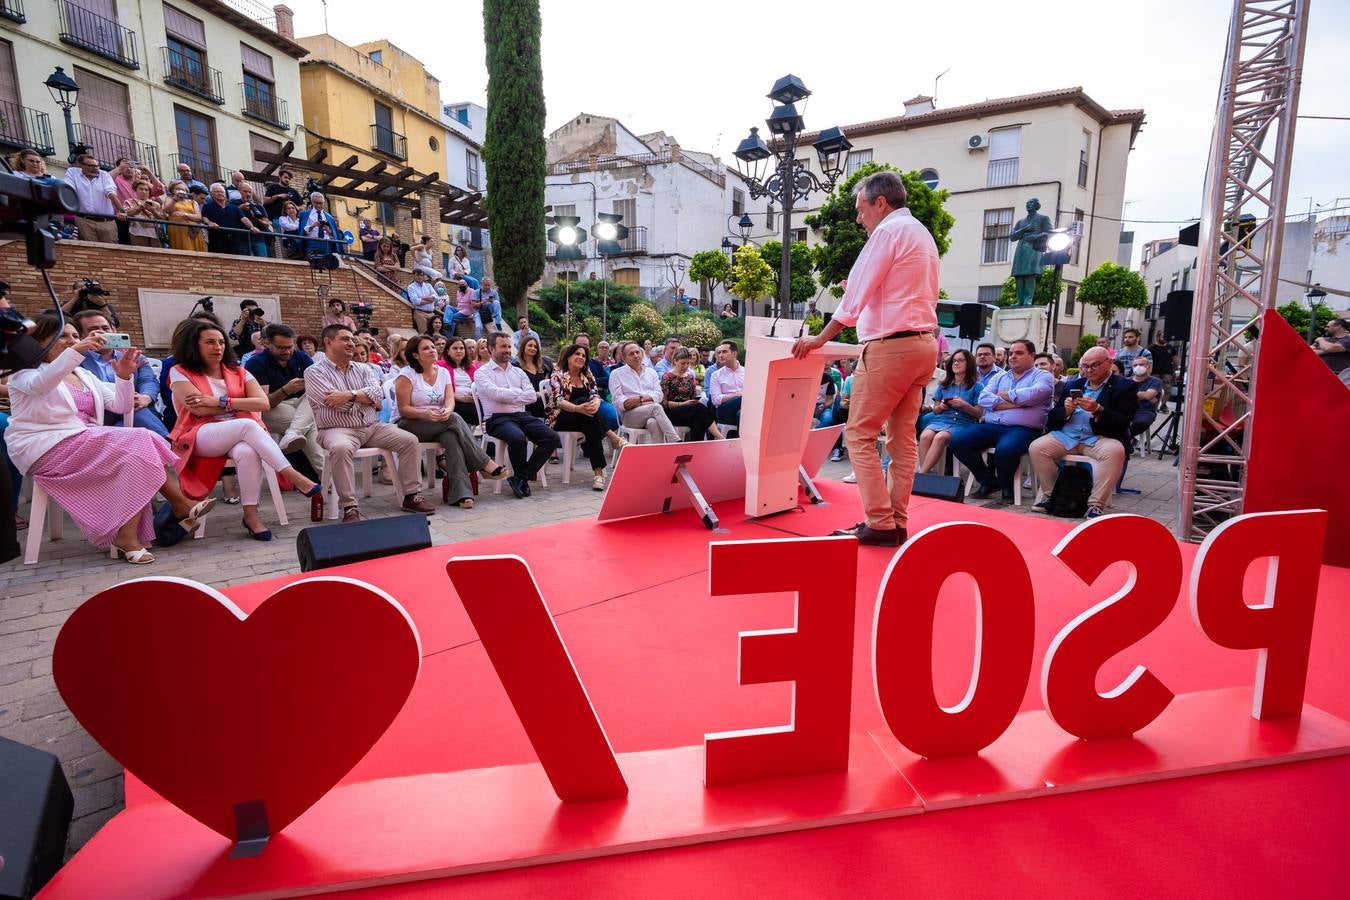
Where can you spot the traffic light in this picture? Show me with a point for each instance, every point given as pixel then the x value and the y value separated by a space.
pixel 567 236
pixel 609 234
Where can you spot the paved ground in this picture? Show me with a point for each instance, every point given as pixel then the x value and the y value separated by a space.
pixel 35 600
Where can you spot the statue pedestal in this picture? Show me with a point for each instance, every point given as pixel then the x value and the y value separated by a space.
pixel 1015 323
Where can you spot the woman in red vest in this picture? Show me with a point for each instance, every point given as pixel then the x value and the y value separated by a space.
pixel 219 405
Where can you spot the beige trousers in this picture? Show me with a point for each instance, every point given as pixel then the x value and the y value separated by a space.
pixel 342 443
pixel 1107 454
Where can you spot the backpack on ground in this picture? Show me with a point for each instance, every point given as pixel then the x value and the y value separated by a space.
pixel 1069 499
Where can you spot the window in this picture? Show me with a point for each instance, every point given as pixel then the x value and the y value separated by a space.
pixel 1083 159
pixel 1070 295
pixel 384 129
pixel 930 178
pixel 471 179
pixel 386 214
pixel 737 202
pixel 989 293
pixel 196 141
pixel 1005 146
pixel 259 144
pixel 564 209
pixel 856 160
pixel 1078 229
pixel 768 217
pixel 105 116
pixel 377 56
pixel 627 209
pixel 433 144
pixel 997 227
pixel 628 277
pixel 185 51
pixel 260 93
pixel 568 275
pixel 799 234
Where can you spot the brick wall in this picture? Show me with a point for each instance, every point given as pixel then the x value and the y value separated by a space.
pixel 125 270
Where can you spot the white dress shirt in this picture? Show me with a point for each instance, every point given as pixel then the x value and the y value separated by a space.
pixel 93 192
pixel 893 285
pixel 503 389
pixel 726 380
pixel 625 383
pixel 422 296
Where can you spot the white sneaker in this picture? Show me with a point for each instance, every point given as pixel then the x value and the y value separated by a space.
pixel 291 441
pixel 850 478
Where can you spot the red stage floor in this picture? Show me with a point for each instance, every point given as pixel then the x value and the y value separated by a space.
pixel 658 657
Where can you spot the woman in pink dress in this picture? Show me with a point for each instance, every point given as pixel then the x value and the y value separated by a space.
pixel 103 476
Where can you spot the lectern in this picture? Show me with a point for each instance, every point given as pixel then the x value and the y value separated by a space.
pixel 776 407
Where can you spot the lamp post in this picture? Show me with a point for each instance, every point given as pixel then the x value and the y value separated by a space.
pixel 64 91
pixel 790 179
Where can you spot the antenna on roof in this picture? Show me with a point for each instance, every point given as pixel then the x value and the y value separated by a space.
pixel 935 81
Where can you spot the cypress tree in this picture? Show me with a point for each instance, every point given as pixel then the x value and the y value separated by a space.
pixel 513 149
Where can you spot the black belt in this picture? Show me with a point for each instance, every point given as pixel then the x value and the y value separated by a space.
pixel 92 217
pixel 902 334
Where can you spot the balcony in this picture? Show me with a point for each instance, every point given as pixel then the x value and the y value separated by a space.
pixel 388 141
pixel 88 30
pixel 204 170
pixel 192 75
pixel 108 146
pixel 23 128
pixel 267 108
pixel 13 10
pixel 1002 172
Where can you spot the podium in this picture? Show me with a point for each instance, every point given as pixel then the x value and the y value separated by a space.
pixel 776 407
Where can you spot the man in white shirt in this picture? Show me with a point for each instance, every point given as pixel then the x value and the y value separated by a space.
pixel 422 296
pixel 504 391
pixel 97 218
pixel 636 390
pixel 726 385
pixel 891 296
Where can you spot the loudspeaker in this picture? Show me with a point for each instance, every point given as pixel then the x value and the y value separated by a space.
pixel 1176 310
pixel 9 540
pixel 940 487
pixel 325 546
pixel 970 319
pixel 35 810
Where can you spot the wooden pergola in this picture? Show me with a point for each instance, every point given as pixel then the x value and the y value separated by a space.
pixel 376 184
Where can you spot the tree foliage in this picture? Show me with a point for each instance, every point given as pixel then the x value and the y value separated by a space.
pixel 513 146
pixel 694 329
pixel 842 238
pixel 1085 343
pixel 1047 288
pixel 751 276
pixel 1300 317
pixel 814 325
pixel 803 285
pixel 711 266
pixel 643 323
pixel 589 300
pixel 1110 287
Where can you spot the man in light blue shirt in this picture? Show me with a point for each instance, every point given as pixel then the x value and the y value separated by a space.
pixel 522 330
pixel 985 367
pixel 667 361
pixel 1015 403
pixel 100 363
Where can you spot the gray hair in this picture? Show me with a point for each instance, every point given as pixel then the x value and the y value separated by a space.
pixel 882 184
pixel 318 194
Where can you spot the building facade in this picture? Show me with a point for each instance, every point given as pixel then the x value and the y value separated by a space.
pixel 1060 147
pixel 200 82
pixel 465 127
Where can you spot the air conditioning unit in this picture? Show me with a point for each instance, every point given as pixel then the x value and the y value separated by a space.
pixel 977 142
pixel 464 235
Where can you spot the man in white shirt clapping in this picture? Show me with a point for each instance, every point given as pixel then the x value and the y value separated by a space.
pixel 636 390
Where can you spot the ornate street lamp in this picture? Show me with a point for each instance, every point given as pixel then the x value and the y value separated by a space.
pixel 789 180
pixel 64 90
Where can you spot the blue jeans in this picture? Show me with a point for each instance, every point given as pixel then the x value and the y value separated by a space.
pixel 729 412
pixel 259 246
pixel 452 319
pixel 143 418
pixel 1010 442
pixel 494 308
pixel 609 416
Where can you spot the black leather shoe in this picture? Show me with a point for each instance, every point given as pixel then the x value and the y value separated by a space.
pixel 850 531
pixel 984 490
pixel 519 486
pixel 890 537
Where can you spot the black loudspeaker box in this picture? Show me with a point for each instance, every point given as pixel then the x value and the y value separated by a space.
pixel 35 810
pixel 970 319
pixel 1176 310
pixel 940 487
pixel 325 546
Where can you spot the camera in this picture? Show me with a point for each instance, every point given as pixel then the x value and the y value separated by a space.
pixel 257 313
pixel 93 289
pixel 362 312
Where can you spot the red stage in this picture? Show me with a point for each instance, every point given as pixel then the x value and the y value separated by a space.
pixel 658 657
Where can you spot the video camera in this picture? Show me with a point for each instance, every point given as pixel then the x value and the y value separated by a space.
pixel 26 208
pixel 362 312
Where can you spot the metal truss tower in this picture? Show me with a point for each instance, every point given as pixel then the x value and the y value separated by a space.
pixel 1241 231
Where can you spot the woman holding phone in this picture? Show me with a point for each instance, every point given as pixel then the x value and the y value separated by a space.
pixel 954 407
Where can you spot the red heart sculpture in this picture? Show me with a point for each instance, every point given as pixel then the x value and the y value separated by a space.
pixel 212 708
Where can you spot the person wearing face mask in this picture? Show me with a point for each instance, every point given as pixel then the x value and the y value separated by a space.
pixel 1150 388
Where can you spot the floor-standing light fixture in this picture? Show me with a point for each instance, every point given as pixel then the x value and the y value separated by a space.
pixel 790 180
pixel 64 91
pixel 567 236
pixel 609 233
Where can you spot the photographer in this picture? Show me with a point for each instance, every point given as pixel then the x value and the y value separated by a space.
pixel 87 296
pixel 251 319
pixel 141 207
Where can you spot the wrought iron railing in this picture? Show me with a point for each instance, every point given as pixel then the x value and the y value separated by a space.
pixel 204 170
pixel 87 29
pixel 192 75
pixel 109 146
pixel 624 161
pixel 13 10
pixel 22 127
pixel 386 140
pixel 1002 172
pixel 266 107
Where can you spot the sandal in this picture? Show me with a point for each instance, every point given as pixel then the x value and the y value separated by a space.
pixel 497 474
pixel 141 557
pixel 466 503
pixel 20 523
pixel 198 512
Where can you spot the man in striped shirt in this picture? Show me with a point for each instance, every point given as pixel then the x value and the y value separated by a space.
pixel 346 396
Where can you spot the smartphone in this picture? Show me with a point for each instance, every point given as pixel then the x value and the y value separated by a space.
pixel 1076 393
pixel 116 340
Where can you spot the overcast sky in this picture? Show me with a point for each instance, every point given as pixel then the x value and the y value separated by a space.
pixel 699 70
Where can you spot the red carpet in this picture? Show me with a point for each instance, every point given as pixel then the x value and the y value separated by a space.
pixel 658 657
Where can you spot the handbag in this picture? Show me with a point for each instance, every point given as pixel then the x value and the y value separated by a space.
pixel 167 530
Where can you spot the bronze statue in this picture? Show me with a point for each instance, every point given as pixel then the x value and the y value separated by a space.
pixel 1031 235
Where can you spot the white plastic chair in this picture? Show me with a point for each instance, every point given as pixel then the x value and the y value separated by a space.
pixel 273 488
pixel 40 506
pixel 366 456
pixel 1024 471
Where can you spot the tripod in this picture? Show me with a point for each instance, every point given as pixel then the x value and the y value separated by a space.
pixel 1172 424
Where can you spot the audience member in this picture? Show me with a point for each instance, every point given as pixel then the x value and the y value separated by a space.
pixel 234 192
pixel 426 400
pixel 484 352
pixel 1334 348
pixel 455 359
pixel 459 267
pixel 667 360
pixel 1001 357
pixel 424 257
pixel 185 175
pixel 727 384
pixel 386 261
pixel 955 406
pixel 139 210
pixel 522 329
pixel 335 313
pixel 682 398
pixel 259 244
pixel 219 406
pixel 537 367
pixel 103 476
pixel 277 193
pixel 463 310
pixel 30 164
pixel 103 366
pixel 98 209
pixel 573 404
pixel 436 325
pixel 1131 349
pixel 1015 404
pixel 422 297
pixel 280 369
pixel 505 391
pixel 636 390
pixel 288 223
pixel 1092 420
pixel 226 224
pixel 345 398
pixel 985 366
pixel 321 229
pixel 490 305
pixel 1058 369
pixel 370 240
pixel 1149 390
pixel 609 416
pixel 251 320
pixel 308 344
pixel 1105 344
